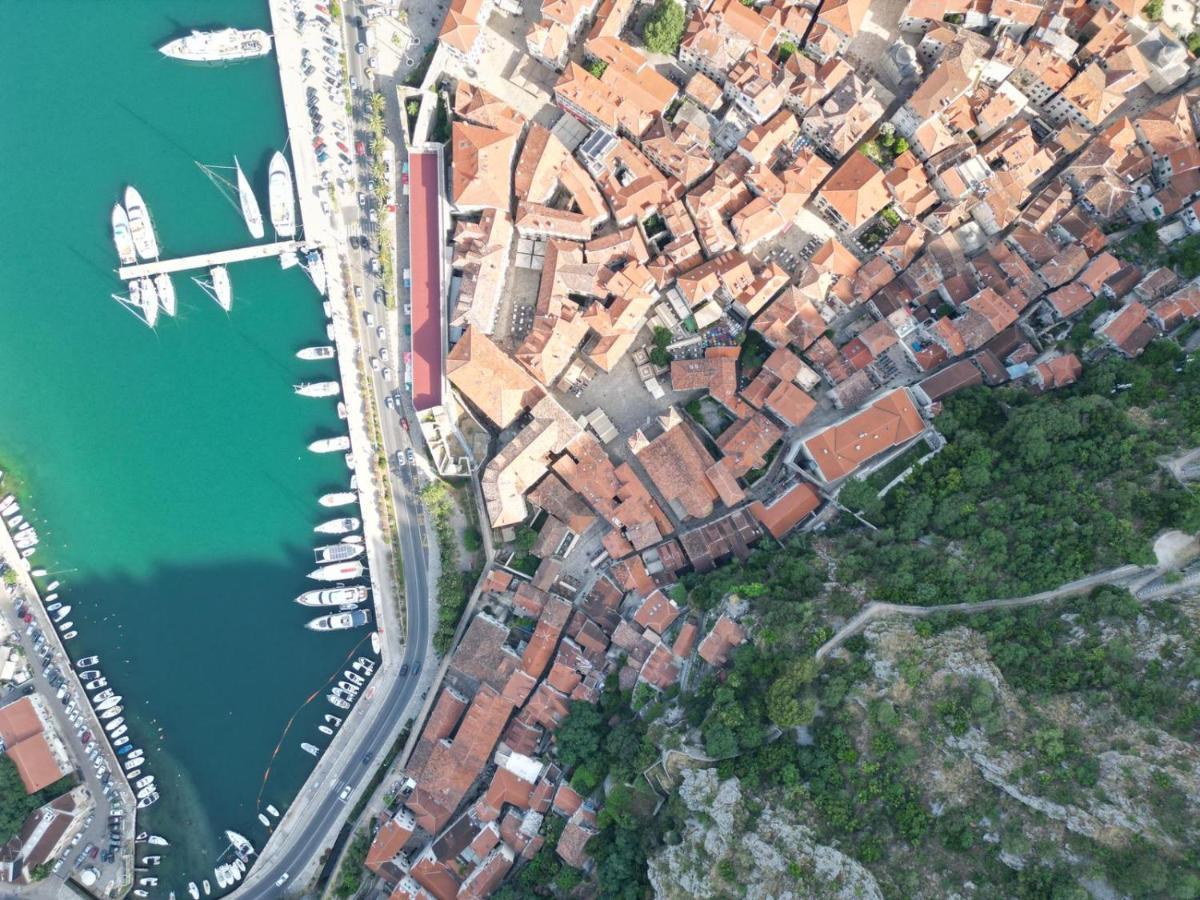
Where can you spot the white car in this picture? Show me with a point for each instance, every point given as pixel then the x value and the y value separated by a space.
pixel 383 353
pixel 281 879
pixel 381 332
pixel 387 373
pixel 389 402
pixel 370 320
pixel 375 363
pixel 408 309
pixel 345 793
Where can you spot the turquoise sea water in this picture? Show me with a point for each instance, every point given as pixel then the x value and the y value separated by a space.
pixel 168 469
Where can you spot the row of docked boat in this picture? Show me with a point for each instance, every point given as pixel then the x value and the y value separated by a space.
pixel 23 534
pixel 339 563
pixel 106 703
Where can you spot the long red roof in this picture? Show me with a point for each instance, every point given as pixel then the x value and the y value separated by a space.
pixel 426 291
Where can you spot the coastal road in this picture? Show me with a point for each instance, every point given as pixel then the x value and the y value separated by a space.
pixel 351 761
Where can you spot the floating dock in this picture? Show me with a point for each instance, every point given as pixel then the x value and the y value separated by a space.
pixel 208 260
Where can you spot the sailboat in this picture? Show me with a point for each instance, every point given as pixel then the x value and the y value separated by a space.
pixel 217 287
pixel 166 292
pixel 250 211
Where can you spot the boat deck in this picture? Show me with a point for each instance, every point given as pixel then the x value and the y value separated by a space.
pixel 208 260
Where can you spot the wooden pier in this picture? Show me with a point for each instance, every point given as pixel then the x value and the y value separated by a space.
pixel 207 260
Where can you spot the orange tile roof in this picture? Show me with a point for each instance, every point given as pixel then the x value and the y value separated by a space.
pixel 788 509
pixel 856 189
pixel 676 462
pixel 888 422
pixel 725 635
pixel 482 164
pixel 657 611
pixel 35 763
pixel 1059 371
pixel 19 720
pixel 490 379
pixel 389 840
pixel 747 441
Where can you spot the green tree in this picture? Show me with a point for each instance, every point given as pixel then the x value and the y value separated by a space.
pixel 664 28
pixel 1153 10
pixel 597 67
pixel 900 146
pixel 472 539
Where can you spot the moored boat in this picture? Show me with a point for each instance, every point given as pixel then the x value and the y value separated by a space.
pixel 317 388
pixel 149 299
pixel 341 596
pixel 338 526
pixel 249 203
pixel 339 498
pixel 337 572
pixel 166 292
pixel 323 351
pixel 337 553
pixel 281 196
pixel 339 621
pixel 330 445
pixel 140 227
pixel 310 749
pixel 123 235
pixel 221 45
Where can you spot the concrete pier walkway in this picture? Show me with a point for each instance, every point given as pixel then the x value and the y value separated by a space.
pixel 206 260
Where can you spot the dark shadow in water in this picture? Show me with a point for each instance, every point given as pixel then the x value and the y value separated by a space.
pixel 214 662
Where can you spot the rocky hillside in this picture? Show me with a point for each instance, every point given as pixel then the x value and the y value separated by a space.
pixel 1044 753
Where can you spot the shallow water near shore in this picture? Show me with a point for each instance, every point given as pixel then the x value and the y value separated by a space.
pixel 166 471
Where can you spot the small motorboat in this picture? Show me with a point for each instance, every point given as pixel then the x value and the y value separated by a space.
pixel 53 606
pixel 134 774
pixel 333 720
pixel 112 725
pixel 96 684
pixel 133 761
pixel 108 702
pixel 272 810
pixel 354 678
pixel 145 792
pixel 151 860
pixel 222 878
pixel 324 729
pixel 87 662
pixel 349 688
pixel 337 701
pixel 111 712
pixel 61 613
pixel 150 881
pixel 50 598
pixel 157 841
pixel 70 635
pixel 90 674
pixel 310 749
pixel 143 802
pixel 193 890
pixel 122 743
pixel 207 888
pixel 144 782
pixel 118 732
pixel 52 586
pixel 67 626
pixel 266 824
pixel 138 892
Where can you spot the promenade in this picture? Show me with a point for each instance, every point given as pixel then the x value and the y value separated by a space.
pixel 314 818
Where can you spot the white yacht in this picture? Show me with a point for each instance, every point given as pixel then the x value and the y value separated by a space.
pixel 337 572
pixel 317 388
pixel 330 444
pixel 223 45
pixel 123 236
pixel 340 596
pixel 166 292
pixel 281 196
pixel 339 498
pixel 322 352
pixel 333 553
pixel 149 296
pixel 140 226
pixel 338 526
pixel 340 621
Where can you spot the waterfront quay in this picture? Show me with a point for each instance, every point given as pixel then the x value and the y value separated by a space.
pixel 115 878
pixel 294 852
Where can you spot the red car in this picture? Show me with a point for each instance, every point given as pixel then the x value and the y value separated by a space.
pixel 318 143
pixel 404 424
pixel 322 9
pixel 343 147
pixel 360 148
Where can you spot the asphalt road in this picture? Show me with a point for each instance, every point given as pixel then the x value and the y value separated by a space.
pixel 366 747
